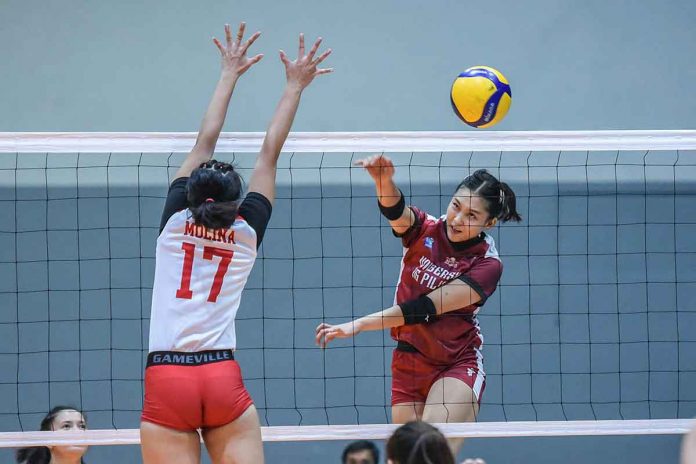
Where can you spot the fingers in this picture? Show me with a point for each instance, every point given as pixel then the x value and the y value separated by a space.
pixel 284 58
pixel 313 50
pixel 251 40
pixel 376 160
pixel 321 58
pixel 302 48
pixel 228 35
pixel 240 32
pixel 252 61
pixel 324 335
pixel 218 45
pixel 323 71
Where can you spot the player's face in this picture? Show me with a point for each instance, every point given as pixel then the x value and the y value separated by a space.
pixel 467 216
pixel 69 420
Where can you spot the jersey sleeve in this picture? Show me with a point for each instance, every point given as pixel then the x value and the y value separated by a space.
pixel 483 277
pixel 413 232
pixel 176 200
pixel 256 211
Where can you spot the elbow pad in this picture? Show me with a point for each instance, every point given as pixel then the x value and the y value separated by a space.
pixel 393 212
pixel 418 311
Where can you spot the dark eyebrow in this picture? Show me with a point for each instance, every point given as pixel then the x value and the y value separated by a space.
pixel 475 211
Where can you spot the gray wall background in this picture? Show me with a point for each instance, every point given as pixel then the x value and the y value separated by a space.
pixel 149 66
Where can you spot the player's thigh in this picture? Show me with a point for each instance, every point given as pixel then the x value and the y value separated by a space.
pixel 238 442
pixel 162 445
pixel 407 412
pixel 450 400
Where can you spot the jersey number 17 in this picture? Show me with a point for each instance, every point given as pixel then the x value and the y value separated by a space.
pixel 209 252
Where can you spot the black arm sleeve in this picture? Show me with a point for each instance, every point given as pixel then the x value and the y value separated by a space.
pixel 176 200
pixel 256 211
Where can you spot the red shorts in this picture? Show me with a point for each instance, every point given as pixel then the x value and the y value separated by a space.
pixel 189 391
pixel 413 375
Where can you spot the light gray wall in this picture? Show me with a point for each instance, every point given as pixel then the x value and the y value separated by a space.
pixel 142 66
pixel 149 66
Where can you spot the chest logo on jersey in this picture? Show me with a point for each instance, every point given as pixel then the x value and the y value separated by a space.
pixel 451 261
pixel 215 235
pixel 428 242
pixel 430 274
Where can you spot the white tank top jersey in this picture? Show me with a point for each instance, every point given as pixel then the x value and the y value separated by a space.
pixel 199 277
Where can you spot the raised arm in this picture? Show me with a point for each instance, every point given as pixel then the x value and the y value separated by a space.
pixel 234 64
pixel 299 73
pixel 390 198
pixel 449 297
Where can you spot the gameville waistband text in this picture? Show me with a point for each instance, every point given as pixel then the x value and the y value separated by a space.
pixel 179 358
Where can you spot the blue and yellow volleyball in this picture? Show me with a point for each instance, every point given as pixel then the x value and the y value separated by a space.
pixel 481 96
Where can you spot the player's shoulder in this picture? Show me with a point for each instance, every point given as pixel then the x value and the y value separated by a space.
pixel 177 219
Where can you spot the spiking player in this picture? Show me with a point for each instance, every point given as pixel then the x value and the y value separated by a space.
pixel 449 268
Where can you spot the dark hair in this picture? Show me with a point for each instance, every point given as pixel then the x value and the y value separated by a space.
pixel 499 197
pixel 360 445
pixel 214 189
pixel 41 454
pixel 418 442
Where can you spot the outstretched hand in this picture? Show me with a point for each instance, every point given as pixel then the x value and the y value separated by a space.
pixel 379 167
pixel 327 332
pixel 234 59
pixel 303 70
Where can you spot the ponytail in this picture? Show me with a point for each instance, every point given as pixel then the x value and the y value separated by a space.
pixel 215 215
pixel 508 203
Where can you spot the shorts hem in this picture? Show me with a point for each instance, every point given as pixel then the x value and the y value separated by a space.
pixel 236 416
pixel 166 424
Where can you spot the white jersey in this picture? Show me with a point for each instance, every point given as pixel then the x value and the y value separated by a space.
pixel 199 278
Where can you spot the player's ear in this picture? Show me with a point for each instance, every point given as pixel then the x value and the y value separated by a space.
pixel 491 222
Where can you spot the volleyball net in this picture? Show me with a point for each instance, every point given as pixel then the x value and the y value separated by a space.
pixel 594 319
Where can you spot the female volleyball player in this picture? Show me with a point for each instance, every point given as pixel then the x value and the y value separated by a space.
pixel 205 251
pixel 63 418
pixel 449 268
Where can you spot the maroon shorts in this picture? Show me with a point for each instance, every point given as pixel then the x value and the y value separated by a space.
pixel 413 374
pixel 189 391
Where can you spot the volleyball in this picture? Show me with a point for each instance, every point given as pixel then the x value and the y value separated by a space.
pixel 481 96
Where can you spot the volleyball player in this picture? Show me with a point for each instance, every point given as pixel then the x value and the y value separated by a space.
pixel 60 418
pixel 205 251
pixel 449 268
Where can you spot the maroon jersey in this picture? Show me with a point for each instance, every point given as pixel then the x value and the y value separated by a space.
pixel 431 260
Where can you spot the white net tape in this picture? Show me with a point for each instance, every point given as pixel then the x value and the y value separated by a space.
pixel 377 432
pixel 155 142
